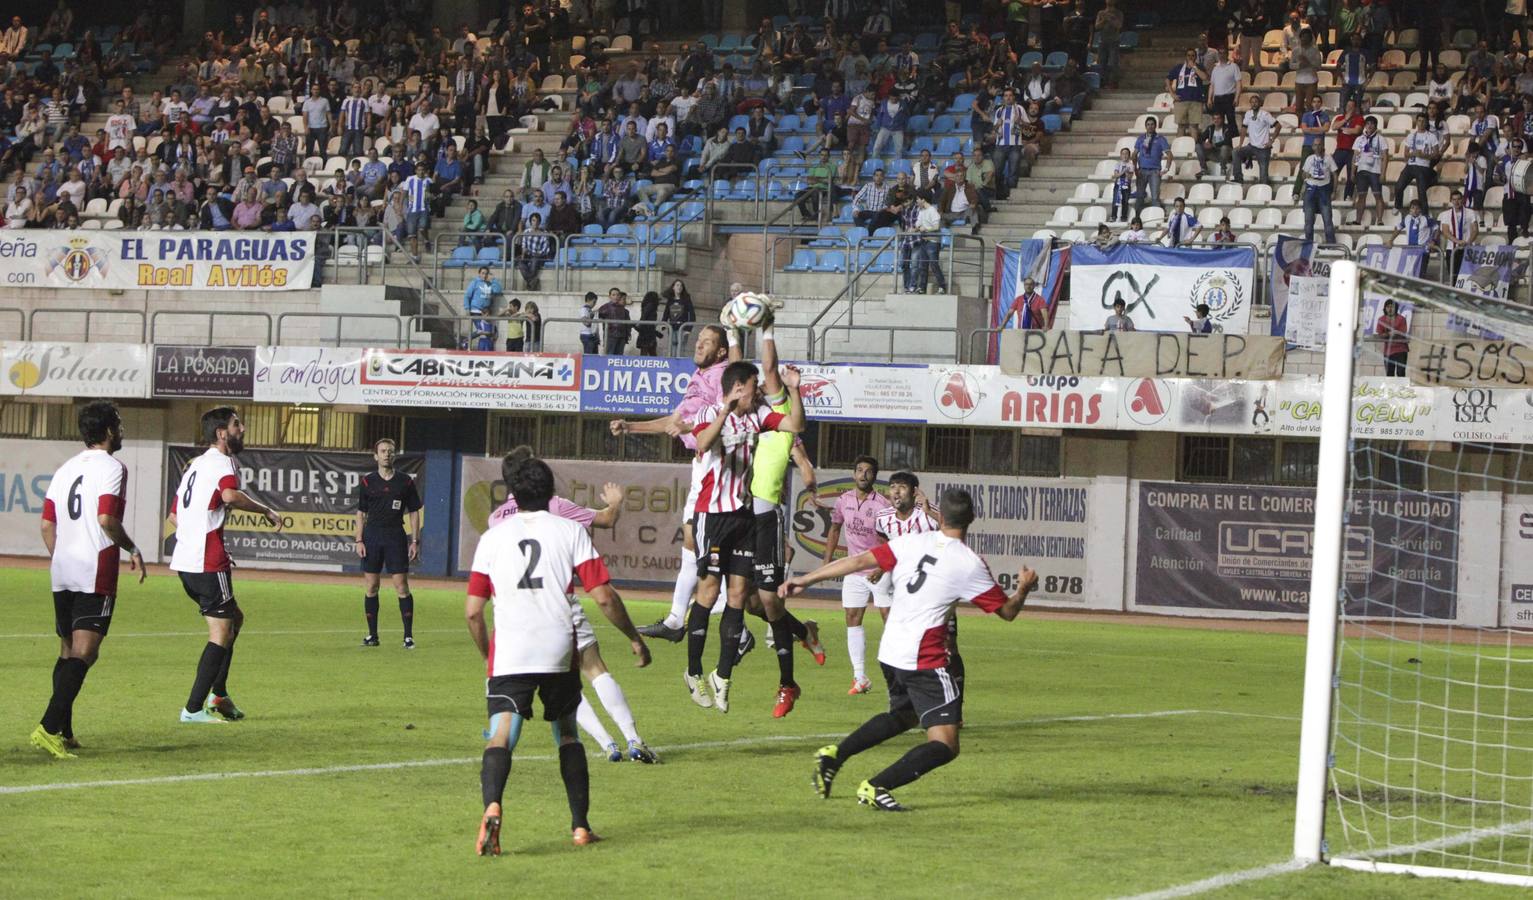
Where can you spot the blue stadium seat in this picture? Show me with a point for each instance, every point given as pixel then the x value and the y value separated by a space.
pixel 961 103
pixel 803 261
pixel 1056 60
pixel 777 189
pixel 884 233
pixel 831 261
pixel 924 142
pixel 720 188
pixel 67 51
pixel 490 255
pixel 855 235
pixel 844 215
pixel 588 258
pixel 789 122
pixel 948 146
pixel 692 212
pixel 791 144
pixel 1052 123
pixel 899 166
pixel 743 189
pixel 926 40
pixel 883 263
pixel 616 258
pixel 829 236
pixel 1129 40
pixel 919 124
pixel 462 257
pixel 592 229
pixel 780 21
pixel 955 79
pixel 1028 58
pixel 1094 80
pixel 710 40
pixel 946 124
pixel 664 234
pixel 729 42
pixel 738 121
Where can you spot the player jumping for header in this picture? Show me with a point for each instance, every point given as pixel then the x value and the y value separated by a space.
pixel 82 529
pixel 208 489
pixel 932 571
pixel 384 498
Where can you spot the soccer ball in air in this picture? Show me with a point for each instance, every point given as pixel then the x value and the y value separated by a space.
pixel 748 310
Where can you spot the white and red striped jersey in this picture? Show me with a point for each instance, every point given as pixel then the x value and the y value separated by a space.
pixel 527 566
pixel 725 485
pixel 200 513
pixel 889 525
pixel 92 483
pixel 932 573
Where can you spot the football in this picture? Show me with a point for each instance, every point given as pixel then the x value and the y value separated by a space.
pixel 747 310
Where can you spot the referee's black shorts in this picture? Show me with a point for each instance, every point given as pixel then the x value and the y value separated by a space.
pixel 386 553
pixel 79 611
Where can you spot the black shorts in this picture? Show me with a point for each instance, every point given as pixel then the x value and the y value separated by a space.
pixel 386 553
pixel 726 544
pixel 559 693
pixel 79 611
pixel 213 591
pixel 768 543
pixel 934 695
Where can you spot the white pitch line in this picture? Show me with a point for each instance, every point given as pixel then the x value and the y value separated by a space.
pixel 458 761
pixel 165 634
pixel 1227 879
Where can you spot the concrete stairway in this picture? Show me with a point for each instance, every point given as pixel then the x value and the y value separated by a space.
pixel 1074 155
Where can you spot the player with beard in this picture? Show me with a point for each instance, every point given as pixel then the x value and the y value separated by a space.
pixel 855 513
pixel 208 489
pixel 82 529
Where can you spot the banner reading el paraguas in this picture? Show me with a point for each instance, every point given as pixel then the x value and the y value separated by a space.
pixel 163 260
pixel 313 491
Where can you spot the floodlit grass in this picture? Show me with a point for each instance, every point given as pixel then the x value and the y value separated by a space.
pixel 1098 760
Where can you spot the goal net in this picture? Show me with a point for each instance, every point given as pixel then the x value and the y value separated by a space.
pixel 1417 752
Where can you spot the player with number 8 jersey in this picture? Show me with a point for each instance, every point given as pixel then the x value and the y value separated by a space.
pixel 208 489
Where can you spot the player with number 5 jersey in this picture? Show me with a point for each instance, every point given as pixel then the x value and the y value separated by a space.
pixel 527 566
pixel 82 529
pixel 208 489
pixel 932 572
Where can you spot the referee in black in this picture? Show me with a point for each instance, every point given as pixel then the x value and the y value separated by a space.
pixel 384 498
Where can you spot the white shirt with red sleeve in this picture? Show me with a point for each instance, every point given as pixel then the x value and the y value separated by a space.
pixel 725 485
pixel 889 525
pixel 92 483
pixel 932 573
pixel 200 513
pixel 527 566
pixel 564 509
pixel 858 518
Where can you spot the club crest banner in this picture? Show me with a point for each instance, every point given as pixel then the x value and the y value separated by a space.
pixel 1161 286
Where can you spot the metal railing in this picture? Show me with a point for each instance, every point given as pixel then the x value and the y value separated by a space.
pixel 210 316
pixel 890 331
pixel 89 314
pixel 400 339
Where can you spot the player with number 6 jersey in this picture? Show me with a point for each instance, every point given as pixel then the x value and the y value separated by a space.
pixel 527 566
pixel 82 529
pixel 208 489
pixel 932 572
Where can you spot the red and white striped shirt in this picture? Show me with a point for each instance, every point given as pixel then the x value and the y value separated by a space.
pixel 725 485
pixel 200 513
pixel 92 483
pixel 889 525
pixel 932 573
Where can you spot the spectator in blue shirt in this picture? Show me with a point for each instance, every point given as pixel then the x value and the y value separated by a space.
pixel 480 292
pixel 1153 154
pixel 658 146
pixel 533 204
pixel 402 164
pixel 374 175
pixel 449 176
pixel 893 117
pixel 1352 67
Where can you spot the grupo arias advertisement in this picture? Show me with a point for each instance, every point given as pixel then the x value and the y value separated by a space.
pixel 314 492
pixel 1251 548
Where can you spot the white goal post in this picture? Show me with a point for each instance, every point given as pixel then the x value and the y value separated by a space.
pixel 1416 743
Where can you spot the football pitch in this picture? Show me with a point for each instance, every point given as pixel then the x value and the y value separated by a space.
pixel 1098 760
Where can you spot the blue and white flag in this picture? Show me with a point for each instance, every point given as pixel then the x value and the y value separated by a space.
pixel 1035 259
pixel 1401 261
pixel 1161 287
pixel 1292 258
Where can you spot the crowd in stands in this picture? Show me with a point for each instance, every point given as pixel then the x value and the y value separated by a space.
pixel 1428 168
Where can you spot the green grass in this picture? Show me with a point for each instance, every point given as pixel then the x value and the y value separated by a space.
pixel 1041 803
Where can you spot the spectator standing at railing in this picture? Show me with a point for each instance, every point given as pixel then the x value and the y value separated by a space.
pixel 1119 320
pixel 516 327
pixel 1152 160
pixel 1457 227
pixel 614 313
pixel 1319 186
pixel 1181 226
pixel 678 314
pixel 648 340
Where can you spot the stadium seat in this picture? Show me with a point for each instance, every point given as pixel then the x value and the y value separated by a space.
pixel 1056 60
pixel 1085 192
pixel 1063 216
pixel 1028 58
pixel 831 261
pixel 1092 216
pixel 1258 195
pixel 803 261
pixel 490 255
pixel 1200 193
pixel 1240 217
pixel 462 257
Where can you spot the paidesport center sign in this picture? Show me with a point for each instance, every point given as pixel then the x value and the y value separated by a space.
pixel 164 260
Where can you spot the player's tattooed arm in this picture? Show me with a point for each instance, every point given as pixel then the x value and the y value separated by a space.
pixel 612 494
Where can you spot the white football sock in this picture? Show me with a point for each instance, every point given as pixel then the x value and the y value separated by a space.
pixel 585 717
pixel 857 650
pixel 616 704
pixel 686 583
